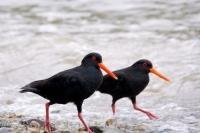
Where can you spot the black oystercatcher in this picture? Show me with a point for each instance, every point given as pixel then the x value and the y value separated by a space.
pixel 73 85
pixel 131 81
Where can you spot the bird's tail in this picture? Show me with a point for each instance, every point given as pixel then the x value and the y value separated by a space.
pixel 28 88
pixel 32 87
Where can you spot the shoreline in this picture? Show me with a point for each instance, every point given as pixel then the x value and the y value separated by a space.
pixel 15 123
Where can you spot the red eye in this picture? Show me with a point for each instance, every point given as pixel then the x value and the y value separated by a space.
pixel 145 64
pixel 93 58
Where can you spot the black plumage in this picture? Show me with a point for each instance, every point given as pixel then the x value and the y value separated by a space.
pixel 131 81
pixel 73 85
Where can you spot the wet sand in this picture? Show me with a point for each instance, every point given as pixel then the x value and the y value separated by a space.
pixel 15 123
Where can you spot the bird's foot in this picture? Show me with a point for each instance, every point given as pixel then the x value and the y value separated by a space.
pixel 47 127
pixel 89 130
pixel 151 116
pixel 47 130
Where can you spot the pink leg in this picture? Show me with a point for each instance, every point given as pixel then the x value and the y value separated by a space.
pixel 47 123
pixel 85 125
pixel 113 108
pixel 149 114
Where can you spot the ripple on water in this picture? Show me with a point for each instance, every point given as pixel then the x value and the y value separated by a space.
pixel 40 38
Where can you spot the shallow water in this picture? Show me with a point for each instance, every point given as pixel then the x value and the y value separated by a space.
pixel 40 38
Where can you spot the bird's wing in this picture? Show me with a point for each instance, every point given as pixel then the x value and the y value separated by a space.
pixel 70 84
pixel 64 80
pixel 56 84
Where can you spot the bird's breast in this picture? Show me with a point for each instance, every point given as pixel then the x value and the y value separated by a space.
pixel 138 83
pixel 93 78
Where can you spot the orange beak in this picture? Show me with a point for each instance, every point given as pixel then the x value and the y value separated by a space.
pixel 102 66
pixel 156 72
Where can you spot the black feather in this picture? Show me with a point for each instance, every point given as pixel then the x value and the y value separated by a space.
pixel 72 85
pixel 132 80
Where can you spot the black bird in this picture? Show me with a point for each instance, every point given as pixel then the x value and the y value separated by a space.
pixel 73 85
pixel 131 81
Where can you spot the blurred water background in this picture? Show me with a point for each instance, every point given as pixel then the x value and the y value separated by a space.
pixel 40 38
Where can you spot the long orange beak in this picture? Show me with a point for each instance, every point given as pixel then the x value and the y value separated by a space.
pixel 156 72
pixel 102 66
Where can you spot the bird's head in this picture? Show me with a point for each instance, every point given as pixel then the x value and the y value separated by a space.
pixel 92 59
pixel 95 59
pixel 147 67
